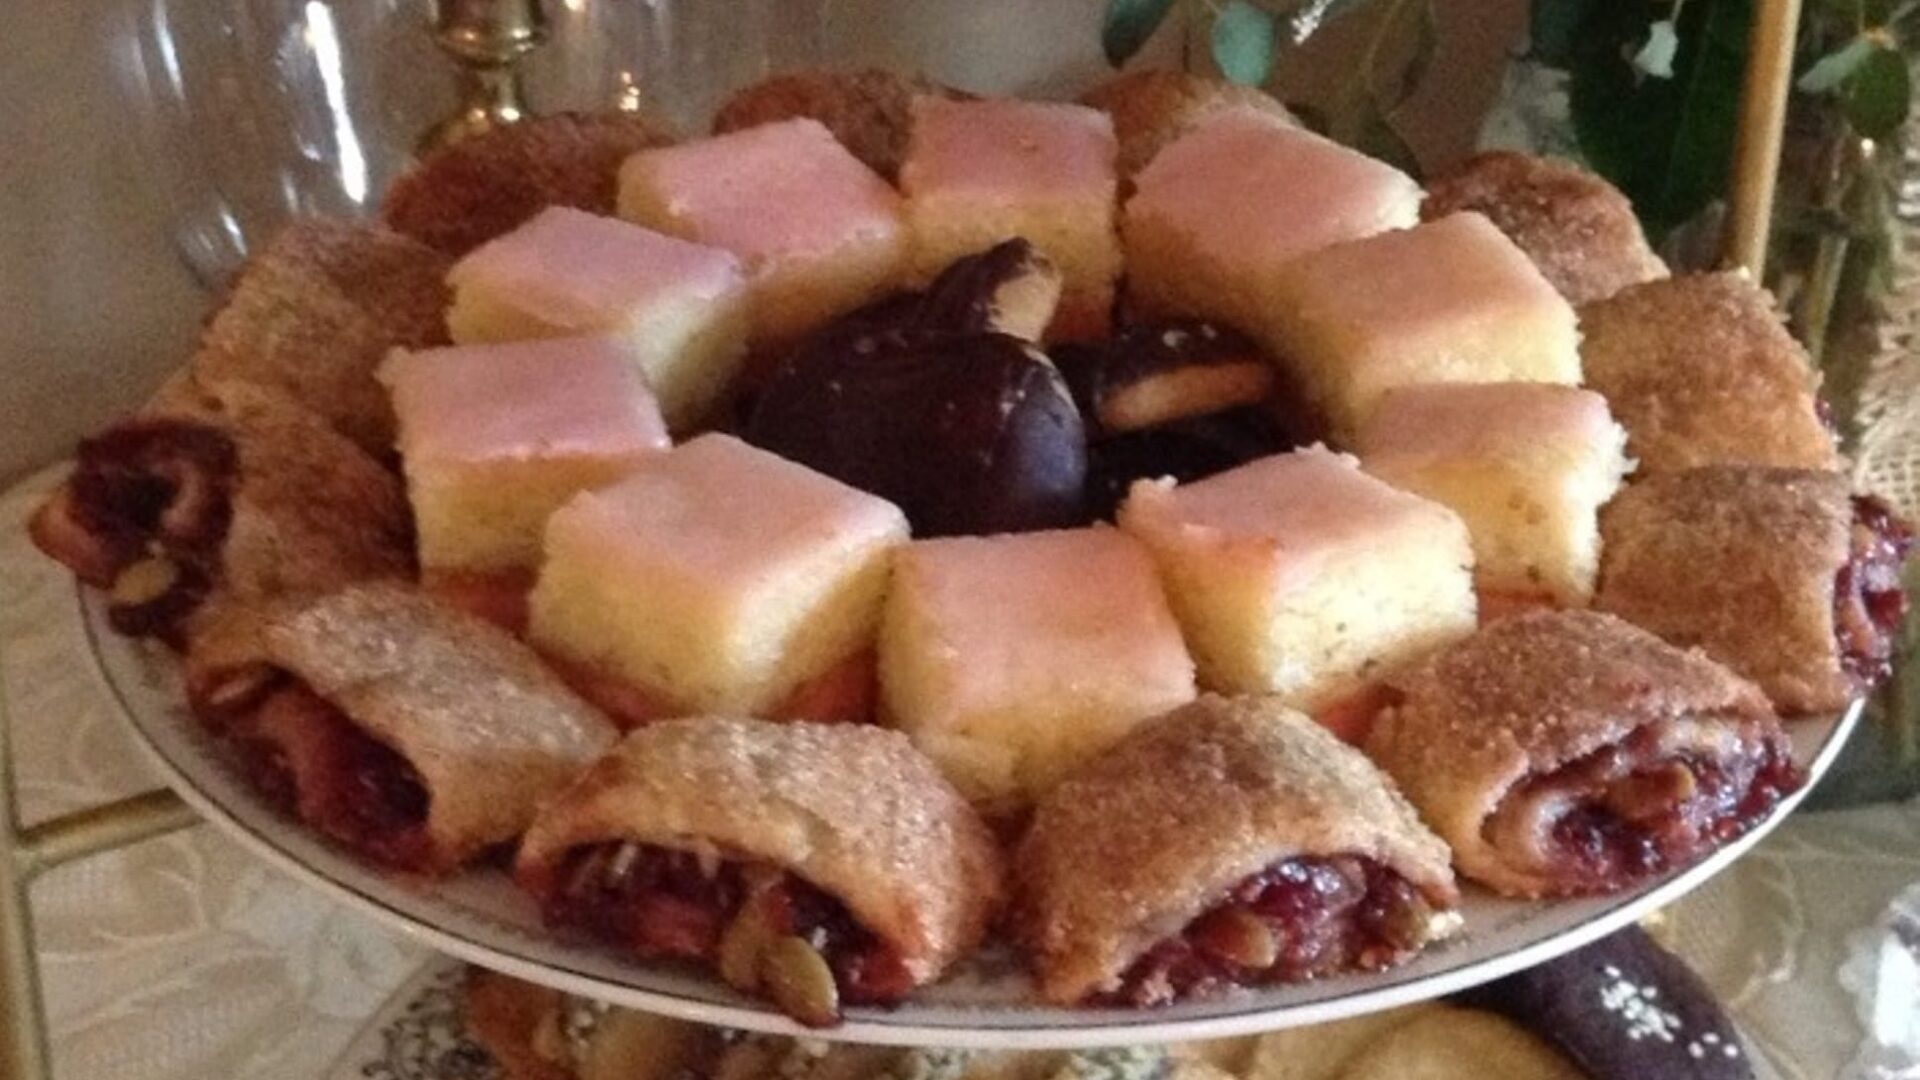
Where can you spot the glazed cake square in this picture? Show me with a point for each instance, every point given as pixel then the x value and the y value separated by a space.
pixel 493 438
pixel 980 172
pixel 679 309
pixel 819 232
pixel 716 576
pixel 1526 465
pixel 1449 301
pixel 1301 576
pixel 1010 659
pixel 1218 212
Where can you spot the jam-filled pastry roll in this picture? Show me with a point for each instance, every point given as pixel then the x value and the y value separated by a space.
pixel 232 492
pixel 1231 842
pixel 811 864
pixel 1567 753
pixel 1783 575
pixel 413 734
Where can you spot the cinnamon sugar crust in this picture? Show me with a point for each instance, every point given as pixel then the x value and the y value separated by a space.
pixel 490 730
pixel 314 313
pixel 1739 561
pixel 1700 370
pixel 461 196
pixel 1151 108
pixel 1148 836
pixel 870 111
pixel 854 810
pixel 1577 228
pixel 1525 696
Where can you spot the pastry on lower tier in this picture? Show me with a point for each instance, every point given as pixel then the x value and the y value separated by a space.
pixel 230 493
pixel 820 233
pixel 1526 465
pixel 464 194
pixel 1577 228
pixel 1301 576
pixel 494 438
pixel 408 732
pixel 1231 842
pixel 1448 301
pixel 1153 107
pixel 1701 370
pixel 1570 753
pixel 316 310
pixel 739 843
pixel 979 172
pixel 1011 659
pixel 1781 574
pixel 870 111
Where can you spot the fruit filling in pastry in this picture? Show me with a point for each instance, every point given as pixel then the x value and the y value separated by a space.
pixel 144 514
pixel 1868 602
pixel 1297 920
pixel 1656 800
pixel 766 930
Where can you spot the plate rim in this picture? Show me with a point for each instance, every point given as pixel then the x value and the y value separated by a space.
pixel 883 1027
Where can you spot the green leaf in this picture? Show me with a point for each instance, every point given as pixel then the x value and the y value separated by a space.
pixel 1243 43
pixel 1828 72
pixel 1554 28
pixel 1665 142
pixel 1128 25
pixel 1875 97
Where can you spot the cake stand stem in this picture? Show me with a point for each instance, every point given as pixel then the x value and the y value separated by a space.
pixel 1763 119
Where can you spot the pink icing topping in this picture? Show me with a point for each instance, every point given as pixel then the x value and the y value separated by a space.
pixel 774 191
pixel 526 399
pixel 1460 420
pixel 576 269
pixel 1253 190
pixel 1000 148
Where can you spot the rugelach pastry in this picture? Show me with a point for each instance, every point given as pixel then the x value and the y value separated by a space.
pixel 744 845
pixel 870 111
pixel 412 734
pixel 1569 753
pixel 316 310
pixel 232 493
pixel 1231 842
pixel 1154 106
pixel 1701 370
pixel 1577 228
pixel 1783 575
pixel 464 194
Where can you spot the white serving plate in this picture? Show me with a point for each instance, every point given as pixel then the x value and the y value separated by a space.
pixel 480 917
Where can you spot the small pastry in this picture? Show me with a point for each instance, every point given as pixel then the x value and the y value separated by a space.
pixel 1153 107
pixel 410 733
pixel 231 493
pixel 1780 574
pixel 738 843
pixel 1230 842
pixel 869 111
pixel 313 314
pixel 464 194
pixel 1157 373
pixel 1700 370
pixel 1010 288
pixel 1183 451
pixel 1569 753
pixel 1577 228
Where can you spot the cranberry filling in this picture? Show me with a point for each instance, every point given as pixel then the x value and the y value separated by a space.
pixel 1297 920
pixel 668 903
pixel 308 758
pixel 1634 811
pixel 1868 602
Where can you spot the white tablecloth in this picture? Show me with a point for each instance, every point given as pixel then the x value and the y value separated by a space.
pixel 182 959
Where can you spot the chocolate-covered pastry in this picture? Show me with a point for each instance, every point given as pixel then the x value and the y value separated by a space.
pixel 1231 842
pixel 1567 753
pixel 1011 288
pixel 411 733
pixel 1781 574
pixel 966 434
pixel 460 196
pixel 316 311
pixel 1151 374
pixel 1622 1008
pixel 747 845
pixel 231 493
pixel 1185 450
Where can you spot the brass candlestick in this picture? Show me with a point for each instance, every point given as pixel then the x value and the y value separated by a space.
pixel 487 39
